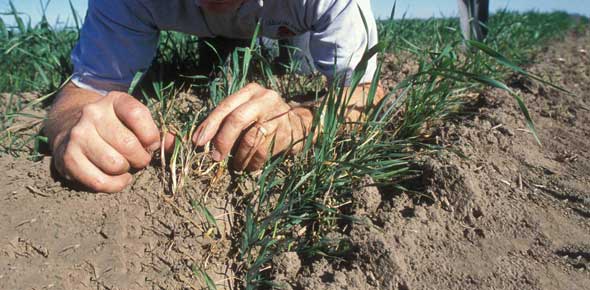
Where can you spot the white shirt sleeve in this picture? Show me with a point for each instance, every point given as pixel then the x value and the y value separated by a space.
pixel 339 39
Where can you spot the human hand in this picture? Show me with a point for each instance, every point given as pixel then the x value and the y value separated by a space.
pixel 252 118
pixel 96 143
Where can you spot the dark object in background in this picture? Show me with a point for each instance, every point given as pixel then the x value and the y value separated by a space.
pixel 474 16
pixel 209 58
pixel 216 50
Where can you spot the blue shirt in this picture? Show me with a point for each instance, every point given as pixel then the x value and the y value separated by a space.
pixel 120 37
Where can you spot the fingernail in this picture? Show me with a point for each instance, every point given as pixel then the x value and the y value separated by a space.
pixel 130 179
pixel 216 155
pixel 201 136
pixel 199 139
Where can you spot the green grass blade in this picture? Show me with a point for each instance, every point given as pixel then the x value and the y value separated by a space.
pixel 3 30
pixel 19 21
pixel 136 79
pixel 74 15
pixel 497 84
pixel 206 213
pixel 205 277
pixel 505 61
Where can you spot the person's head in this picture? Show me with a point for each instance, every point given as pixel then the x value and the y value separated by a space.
pixel 220 6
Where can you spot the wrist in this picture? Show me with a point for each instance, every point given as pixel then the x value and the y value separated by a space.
pixel 65 112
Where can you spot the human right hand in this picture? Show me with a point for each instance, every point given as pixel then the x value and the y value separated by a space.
pixel 96 143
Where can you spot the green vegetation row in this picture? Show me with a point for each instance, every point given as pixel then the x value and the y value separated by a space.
pixel 36 57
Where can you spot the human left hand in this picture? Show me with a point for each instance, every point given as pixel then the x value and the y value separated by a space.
pixel 252 118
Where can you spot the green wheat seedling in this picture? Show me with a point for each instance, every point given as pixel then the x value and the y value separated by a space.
pixel 309 188
pixel 185 162
pixel 34 57
pixel 174 124
pixel 202 275
pixel 314 187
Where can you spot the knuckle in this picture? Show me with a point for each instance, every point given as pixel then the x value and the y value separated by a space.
pixel 237 117
pixel 68 158
pixel 115 94
pixel 91 111
pixel 129 143
pixel 77 133
pixel 273 95
pixel 115 163
pixel 252 86
pixel 261 152
pixel 137 112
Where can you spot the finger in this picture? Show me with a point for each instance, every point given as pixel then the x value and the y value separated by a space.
pixel 125 142
pixel 258 160
pixel 264 152
pixel 103 155
pixel 253 142
pixel 206 131
pixel 239 120
pixel 169 140
pixel 137 117
pixel 300 121
pixel 279 142
pixel 78 167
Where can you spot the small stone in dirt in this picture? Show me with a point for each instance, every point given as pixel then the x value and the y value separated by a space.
pixel 366 197
pixel 506 131
pixel 340 278
pixel 286 265
pixel 421 213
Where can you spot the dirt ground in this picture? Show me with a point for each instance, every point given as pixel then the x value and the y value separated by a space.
pixel 511 215
pixel 59 238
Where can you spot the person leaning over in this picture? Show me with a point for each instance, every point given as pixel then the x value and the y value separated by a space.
pixel 97 132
